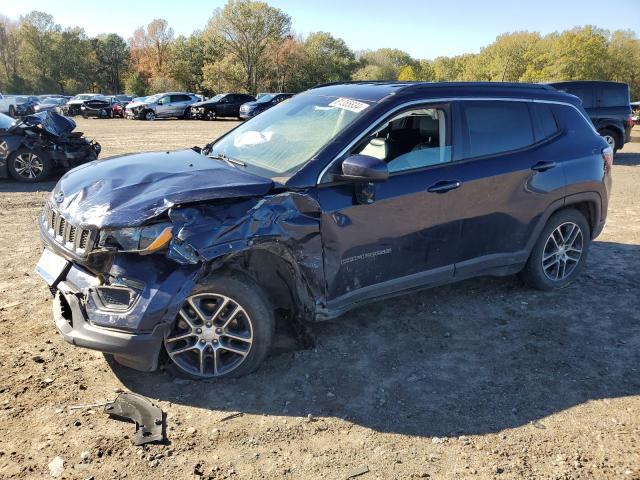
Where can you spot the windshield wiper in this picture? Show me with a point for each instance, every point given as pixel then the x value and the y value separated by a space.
pixel 224 158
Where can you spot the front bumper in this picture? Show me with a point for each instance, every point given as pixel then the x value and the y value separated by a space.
pixel 140 351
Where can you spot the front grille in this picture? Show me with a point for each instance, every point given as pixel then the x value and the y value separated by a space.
pixel 75 239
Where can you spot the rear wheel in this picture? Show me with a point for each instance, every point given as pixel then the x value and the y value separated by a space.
pixel 29 166
pixel 612 138
pixel 224 329
pixel 560 253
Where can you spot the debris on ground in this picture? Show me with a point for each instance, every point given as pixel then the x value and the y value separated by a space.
pixel 150 420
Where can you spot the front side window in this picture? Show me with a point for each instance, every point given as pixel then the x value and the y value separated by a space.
pixel 497 126
pixel 278 142
pixel 163 101
pixel 413 139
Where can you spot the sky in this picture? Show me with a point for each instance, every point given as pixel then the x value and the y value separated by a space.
pixel 424 29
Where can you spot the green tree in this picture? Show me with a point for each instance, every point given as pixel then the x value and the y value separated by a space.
pixel 388 60
pixel 327 59
pixel 246 28
pixel 112 57
pixel 137 84
pixel 186 60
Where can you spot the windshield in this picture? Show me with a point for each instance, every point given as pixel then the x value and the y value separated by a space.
pixel 6 121
pixel 215 98
pixel 266 98
pixel 152 98
pixel 50 101
pixel 20 100
pixel 83 96
pixel 278 142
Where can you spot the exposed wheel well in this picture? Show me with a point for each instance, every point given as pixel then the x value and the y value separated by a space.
pixel 276 277
pixel 588 209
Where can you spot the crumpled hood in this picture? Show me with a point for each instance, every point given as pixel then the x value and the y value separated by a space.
pixel 128 190
pixel 132 105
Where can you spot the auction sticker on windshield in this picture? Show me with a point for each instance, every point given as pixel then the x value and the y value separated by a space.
pixel 348 104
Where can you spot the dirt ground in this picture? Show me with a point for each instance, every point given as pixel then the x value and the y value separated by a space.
pixel 482 379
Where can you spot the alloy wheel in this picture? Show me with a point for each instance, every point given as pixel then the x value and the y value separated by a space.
pixel 212 336
pixel 610 141
pixel 28 165
pixel 562 251
pixel 150 116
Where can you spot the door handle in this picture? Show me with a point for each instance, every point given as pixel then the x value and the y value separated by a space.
pixel 444 186
pixel 543 166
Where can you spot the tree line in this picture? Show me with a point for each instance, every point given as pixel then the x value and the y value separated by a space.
pixel 250 46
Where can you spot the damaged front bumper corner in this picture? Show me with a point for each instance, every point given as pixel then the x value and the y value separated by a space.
pixel 140 351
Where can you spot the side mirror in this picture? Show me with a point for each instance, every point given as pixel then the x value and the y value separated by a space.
pixel 364 168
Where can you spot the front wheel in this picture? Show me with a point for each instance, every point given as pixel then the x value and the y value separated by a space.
pixel 211 115
pixel 29 166
pixel 149 115
pixel 560 252
pixel 12 111
pixel 224 329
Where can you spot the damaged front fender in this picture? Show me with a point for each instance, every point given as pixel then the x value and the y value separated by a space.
pixel 286 225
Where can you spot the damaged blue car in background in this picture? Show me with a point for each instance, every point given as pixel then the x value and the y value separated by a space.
pixel 344 194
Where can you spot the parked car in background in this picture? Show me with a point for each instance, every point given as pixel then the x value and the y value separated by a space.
pixel 123 99
pixel 342 195
pixel 50 103
pixel 265 102
pixel 608 106
pixel 221 105
pixel 52 95
pixel 74 106
pixel 32 147
pixel 162 105
pixel 25 105
pixel 7 105
pixel 635 115
pixel 107 107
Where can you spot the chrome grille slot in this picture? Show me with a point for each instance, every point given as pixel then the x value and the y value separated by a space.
pixel 75 239
pixel 84 239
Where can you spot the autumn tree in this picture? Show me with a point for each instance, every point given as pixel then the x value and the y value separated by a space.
pixel 246 29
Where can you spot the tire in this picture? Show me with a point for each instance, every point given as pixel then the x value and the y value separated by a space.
pixel 12 111
pixel 563 264
pixel 187 114
pixel 236 297
pixel 37 163
pixel 149 115
pixel 211 115
pixel 612 138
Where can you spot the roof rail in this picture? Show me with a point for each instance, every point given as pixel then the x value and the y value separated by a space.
pixel 535 86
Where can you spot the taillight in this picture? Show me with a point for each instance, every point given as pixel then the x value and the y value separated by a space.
pixel 630 121
pixel 607 156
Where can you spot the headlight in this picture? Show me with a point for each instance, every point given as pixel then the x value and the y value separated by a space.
pixel 143 240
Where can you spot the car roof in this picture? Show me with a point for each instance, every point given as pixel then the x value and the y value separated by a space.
pixel 587 83
pixel 374 91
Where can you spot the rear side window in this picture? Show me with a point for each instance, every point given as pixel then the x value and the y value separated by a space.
pixel 544 122
pixel 583 93
pixel 614 96
pixel 496 127
pixel 180 98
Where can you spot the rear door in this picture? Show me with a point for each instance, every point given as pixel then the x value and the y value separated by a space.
pixel 509 174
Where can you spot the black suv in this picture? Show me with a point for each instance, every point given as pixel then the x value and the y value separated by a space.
pixel 221 105
pixel 344 194
pixel 608 106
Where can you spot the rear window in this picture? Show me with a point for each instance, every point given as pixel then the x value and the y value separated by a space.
pixel 496 127
pixel 583 93
pixel 614 96
pixel 544 121
pixel 180 98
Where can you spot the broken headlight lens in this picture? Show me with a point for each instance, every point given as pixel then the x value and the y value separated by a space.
pixel 143 240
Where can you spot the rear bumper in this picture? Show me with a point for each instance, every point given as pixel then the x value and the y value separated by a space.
pixel 140 351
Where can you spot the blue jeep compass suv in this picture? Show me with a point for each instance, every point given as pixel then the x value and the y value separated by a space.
pixel 344 194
